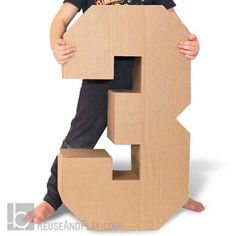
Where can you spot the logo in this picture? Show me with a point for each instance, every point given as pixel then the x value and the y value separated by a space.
pixel 16 213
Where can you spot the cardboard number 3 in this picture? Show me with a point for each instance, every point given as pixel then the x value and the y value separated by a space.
pixel 156 187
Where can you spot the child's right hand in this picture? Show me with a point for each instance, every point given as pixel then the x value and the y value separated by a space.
pixel 62 51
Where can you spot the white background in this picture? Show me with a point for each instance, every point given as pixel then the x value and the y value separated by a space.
pixel 37 106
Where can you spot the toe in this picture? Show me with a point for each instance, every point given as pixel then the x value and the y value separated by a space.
pixel 37 220
pixel 28 217
pixel 200 207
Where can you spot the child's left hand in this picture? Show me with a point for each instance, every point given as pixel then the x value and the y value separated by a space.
pixel 190 48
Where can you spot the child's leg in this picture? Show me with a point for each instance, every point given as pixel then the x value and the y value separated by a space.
pixel 91 118
pixel 86 128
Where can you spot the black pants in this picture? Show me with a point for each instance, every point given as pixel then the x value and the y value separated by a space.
pixel 91 117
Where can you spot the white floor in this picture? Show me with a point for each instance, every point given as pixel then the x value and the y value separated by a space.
pixel 37 107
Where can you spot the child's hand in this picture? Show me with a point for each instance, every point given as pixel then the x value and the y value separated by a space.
pixel 190 48
pixel 62 51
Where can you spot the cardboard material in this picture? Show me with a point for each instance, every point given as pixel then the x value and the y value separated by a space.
pixel 156 187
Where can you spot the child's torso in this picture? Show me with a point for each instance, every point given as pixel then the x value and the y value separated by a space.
pixel 113 2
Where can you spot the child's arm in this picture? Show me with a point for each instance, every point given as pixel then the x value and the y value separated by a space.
pixel 191 47
pixel 61 50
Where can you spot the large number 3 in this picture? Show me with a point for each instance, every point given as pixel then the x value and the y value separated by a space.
pixel 156 187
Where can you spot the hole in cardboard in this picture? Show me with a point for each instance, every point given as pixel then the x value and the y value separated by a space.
pixel 134 173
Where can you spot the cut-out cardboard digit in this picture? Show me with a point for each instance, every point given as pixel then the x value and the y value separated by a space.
pixel 145 117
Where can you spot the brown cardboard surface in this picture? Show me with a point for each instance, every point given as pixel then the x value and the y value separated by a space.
pixel 145 117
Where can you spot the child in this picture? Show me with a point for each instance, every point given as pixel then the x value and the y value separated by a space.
pixel 91 115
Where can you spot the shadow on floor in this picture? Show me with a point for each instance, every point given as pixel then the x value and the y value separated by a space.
pixel 201 170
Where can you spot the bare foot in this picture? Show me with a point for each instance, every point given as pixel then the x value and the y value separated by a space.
pixel 39 214
pixel 193 205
